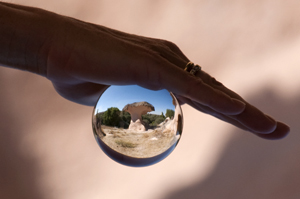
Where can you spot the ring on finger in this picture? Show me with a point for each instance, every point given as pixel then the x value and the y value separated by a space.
pixel 192 68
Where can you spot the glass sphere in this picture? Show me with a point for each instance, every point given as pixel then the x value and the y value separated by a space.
pixel 136 126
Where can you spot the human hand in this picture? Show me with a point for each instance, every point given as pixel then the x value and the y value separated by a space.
pixel 101 57
pixel 82 60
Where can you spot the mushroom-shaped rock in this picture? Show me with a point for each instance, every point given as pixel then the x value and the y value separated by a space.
pixel 136 110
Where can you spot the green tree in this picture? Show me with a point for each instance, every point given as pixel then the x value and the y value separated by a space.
pixel 157 120
pixel 111 117
pixel 99 116
pixel 125 117
pixel 149 118
pixel 170 113
pixel 162 115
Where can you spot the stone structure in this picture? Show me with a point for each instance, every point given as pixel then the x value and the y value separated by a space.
pixel 136 110
pixel 175 124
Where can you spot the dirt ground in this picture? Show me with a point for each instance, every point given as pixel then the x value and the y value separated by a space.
pixel 139 144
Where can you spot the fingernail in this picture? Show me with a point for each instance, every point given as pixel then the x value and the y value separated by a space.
pixel 240 106
pixel 270 118
pixel 269 127
pixel 280 132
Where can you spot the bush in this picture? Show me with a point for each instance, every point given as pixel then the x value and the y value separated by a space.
pixel 149 117
pixel 170 113
pixel 157 121
pixel 125 116
pixel 111 117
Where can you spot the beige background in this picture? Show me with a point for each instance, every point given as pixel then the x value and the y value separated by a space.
pixel 47 150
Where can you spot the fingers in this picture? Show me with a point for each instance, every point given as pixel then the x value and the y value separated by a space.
pixel 252 118
pixel 181 82
pixel 210 96
pixel 281 131
pixel 209 111
pixel 256 120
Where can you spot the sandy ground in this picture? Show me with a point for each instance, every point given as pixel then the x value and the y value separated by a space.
pixel 47 148
pixel 144 144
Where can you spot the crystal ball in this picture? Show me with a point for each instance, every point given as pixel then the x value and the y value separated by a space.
pixel 136 126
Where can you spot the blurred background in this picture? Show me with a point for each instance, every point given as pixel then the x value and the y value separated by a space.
pixel 47 148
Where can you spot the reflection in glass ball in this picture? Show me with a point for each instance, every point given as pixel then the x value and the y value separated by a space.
pixel 136 126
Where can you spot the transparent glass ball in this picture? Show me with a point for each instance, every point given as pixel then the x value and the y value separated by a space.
pixel 136 126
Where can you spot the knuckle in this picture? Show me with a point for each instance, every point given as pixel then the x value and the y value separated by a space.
pixel 175 49
pixel 166 44
pixel 210 80
pixel 215 82
pixel 171 45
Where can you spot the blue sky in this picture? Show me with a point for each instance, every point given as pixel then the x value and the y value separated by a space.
pixel 119 96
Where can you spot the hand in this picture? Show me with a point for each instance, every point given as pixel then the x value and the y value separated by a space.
pixel 95 57
pixel 83 59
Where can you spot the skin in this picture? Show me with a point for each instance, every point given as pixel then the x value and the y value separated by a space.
pixel 82 59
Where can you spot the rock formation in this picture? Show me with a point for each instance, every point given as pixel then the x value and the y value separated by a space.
pixel 136 110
